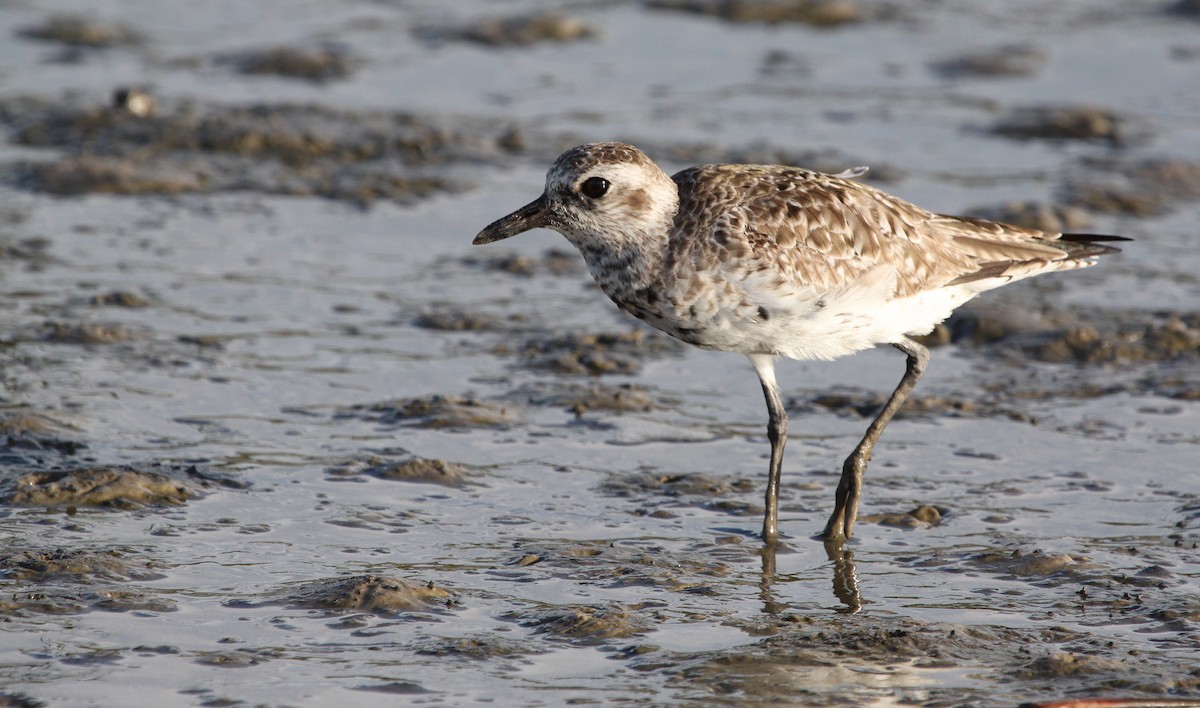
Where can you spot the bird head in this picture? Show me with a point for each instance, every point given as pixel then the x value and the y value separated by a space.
pixel 597 195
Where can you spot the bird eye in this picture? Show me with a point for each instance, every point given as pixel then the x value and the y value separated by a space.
pixel 594 187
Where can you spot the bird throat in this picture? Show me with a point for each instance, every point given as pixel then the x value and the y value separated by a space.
pixel 625 265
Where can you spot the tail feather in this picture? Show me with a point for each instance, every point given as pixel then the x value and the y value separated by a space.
pixel 1080 249
pixel 1089 238
pixel 1088 245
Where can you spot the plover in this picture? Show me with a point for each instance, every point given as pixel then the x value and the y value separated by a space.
pixel 771 260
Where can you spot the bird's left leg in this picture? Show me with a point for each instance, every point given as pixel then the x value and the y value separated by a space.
pixel 764 366
pixel 849 489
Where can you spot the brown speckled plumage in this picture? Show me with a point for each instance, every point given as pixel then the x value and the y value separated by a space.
pixel 769 260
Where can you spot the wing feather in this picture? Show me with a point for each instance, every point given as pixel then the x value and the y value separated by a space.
pixel 820 232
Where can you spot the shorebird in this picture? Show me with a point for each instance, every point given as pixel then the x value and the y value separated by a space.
pixel 771 260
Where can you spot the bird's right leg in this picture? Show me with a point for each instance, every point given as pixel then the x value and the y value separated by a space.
pixel 849 489
pixel 764 366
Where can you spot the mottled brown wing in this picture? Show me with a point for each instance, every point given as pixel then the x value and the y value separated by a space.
pixel 824 232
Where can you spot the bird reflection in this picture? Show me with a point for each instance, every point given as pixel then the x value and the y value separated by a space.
pixel 771 606
pixel 845 579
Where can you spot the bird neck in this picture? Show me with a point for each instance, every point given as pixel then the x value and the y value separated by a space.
pixel 626 261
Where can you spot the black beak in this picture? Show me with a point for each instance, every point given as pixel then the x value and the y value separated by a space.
pixel 531 216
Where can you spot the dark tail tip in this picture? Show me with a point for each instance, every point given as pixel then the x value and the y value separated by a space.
pixel 1088 245
pixel 1092 238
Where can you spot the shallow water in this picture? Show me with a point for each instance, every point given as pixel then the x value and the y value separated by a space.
pixel 216 400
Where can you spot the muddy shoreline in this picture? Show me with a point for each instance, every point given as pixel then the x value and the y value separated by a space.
pixel 263 408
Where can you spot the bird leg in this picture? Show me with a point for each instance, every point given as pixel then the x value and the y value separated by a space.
pixel 764 365
pixel 849 489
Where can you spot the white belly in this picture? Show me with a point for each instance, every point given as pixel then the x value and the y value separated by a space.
pixel 803 324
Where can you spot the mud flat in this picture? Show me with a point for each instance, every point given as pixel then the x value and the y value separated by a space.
pixel 273 432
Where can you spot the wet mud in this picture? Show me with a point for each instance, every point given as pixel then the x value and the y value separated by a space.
pixel 369 593
pixel 80 31
pixel 596 354
pixel 582 399
pixel 120 488
pixel 866 405
pixel 694 489
pixel 1138 187
pixel 62 581
pixel 42 565
pixel 583 626
pixel 318 65
pixel 1066 123
pixel 1055 218
pixel 519 31
pixel 29 433
pixel 818 13
pixel 554 261
pixel 480 648
pixel 875 659
pixel 445 412
pixel 1005 61
pixel 273 432
pixel 299 150
pixel 418 470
